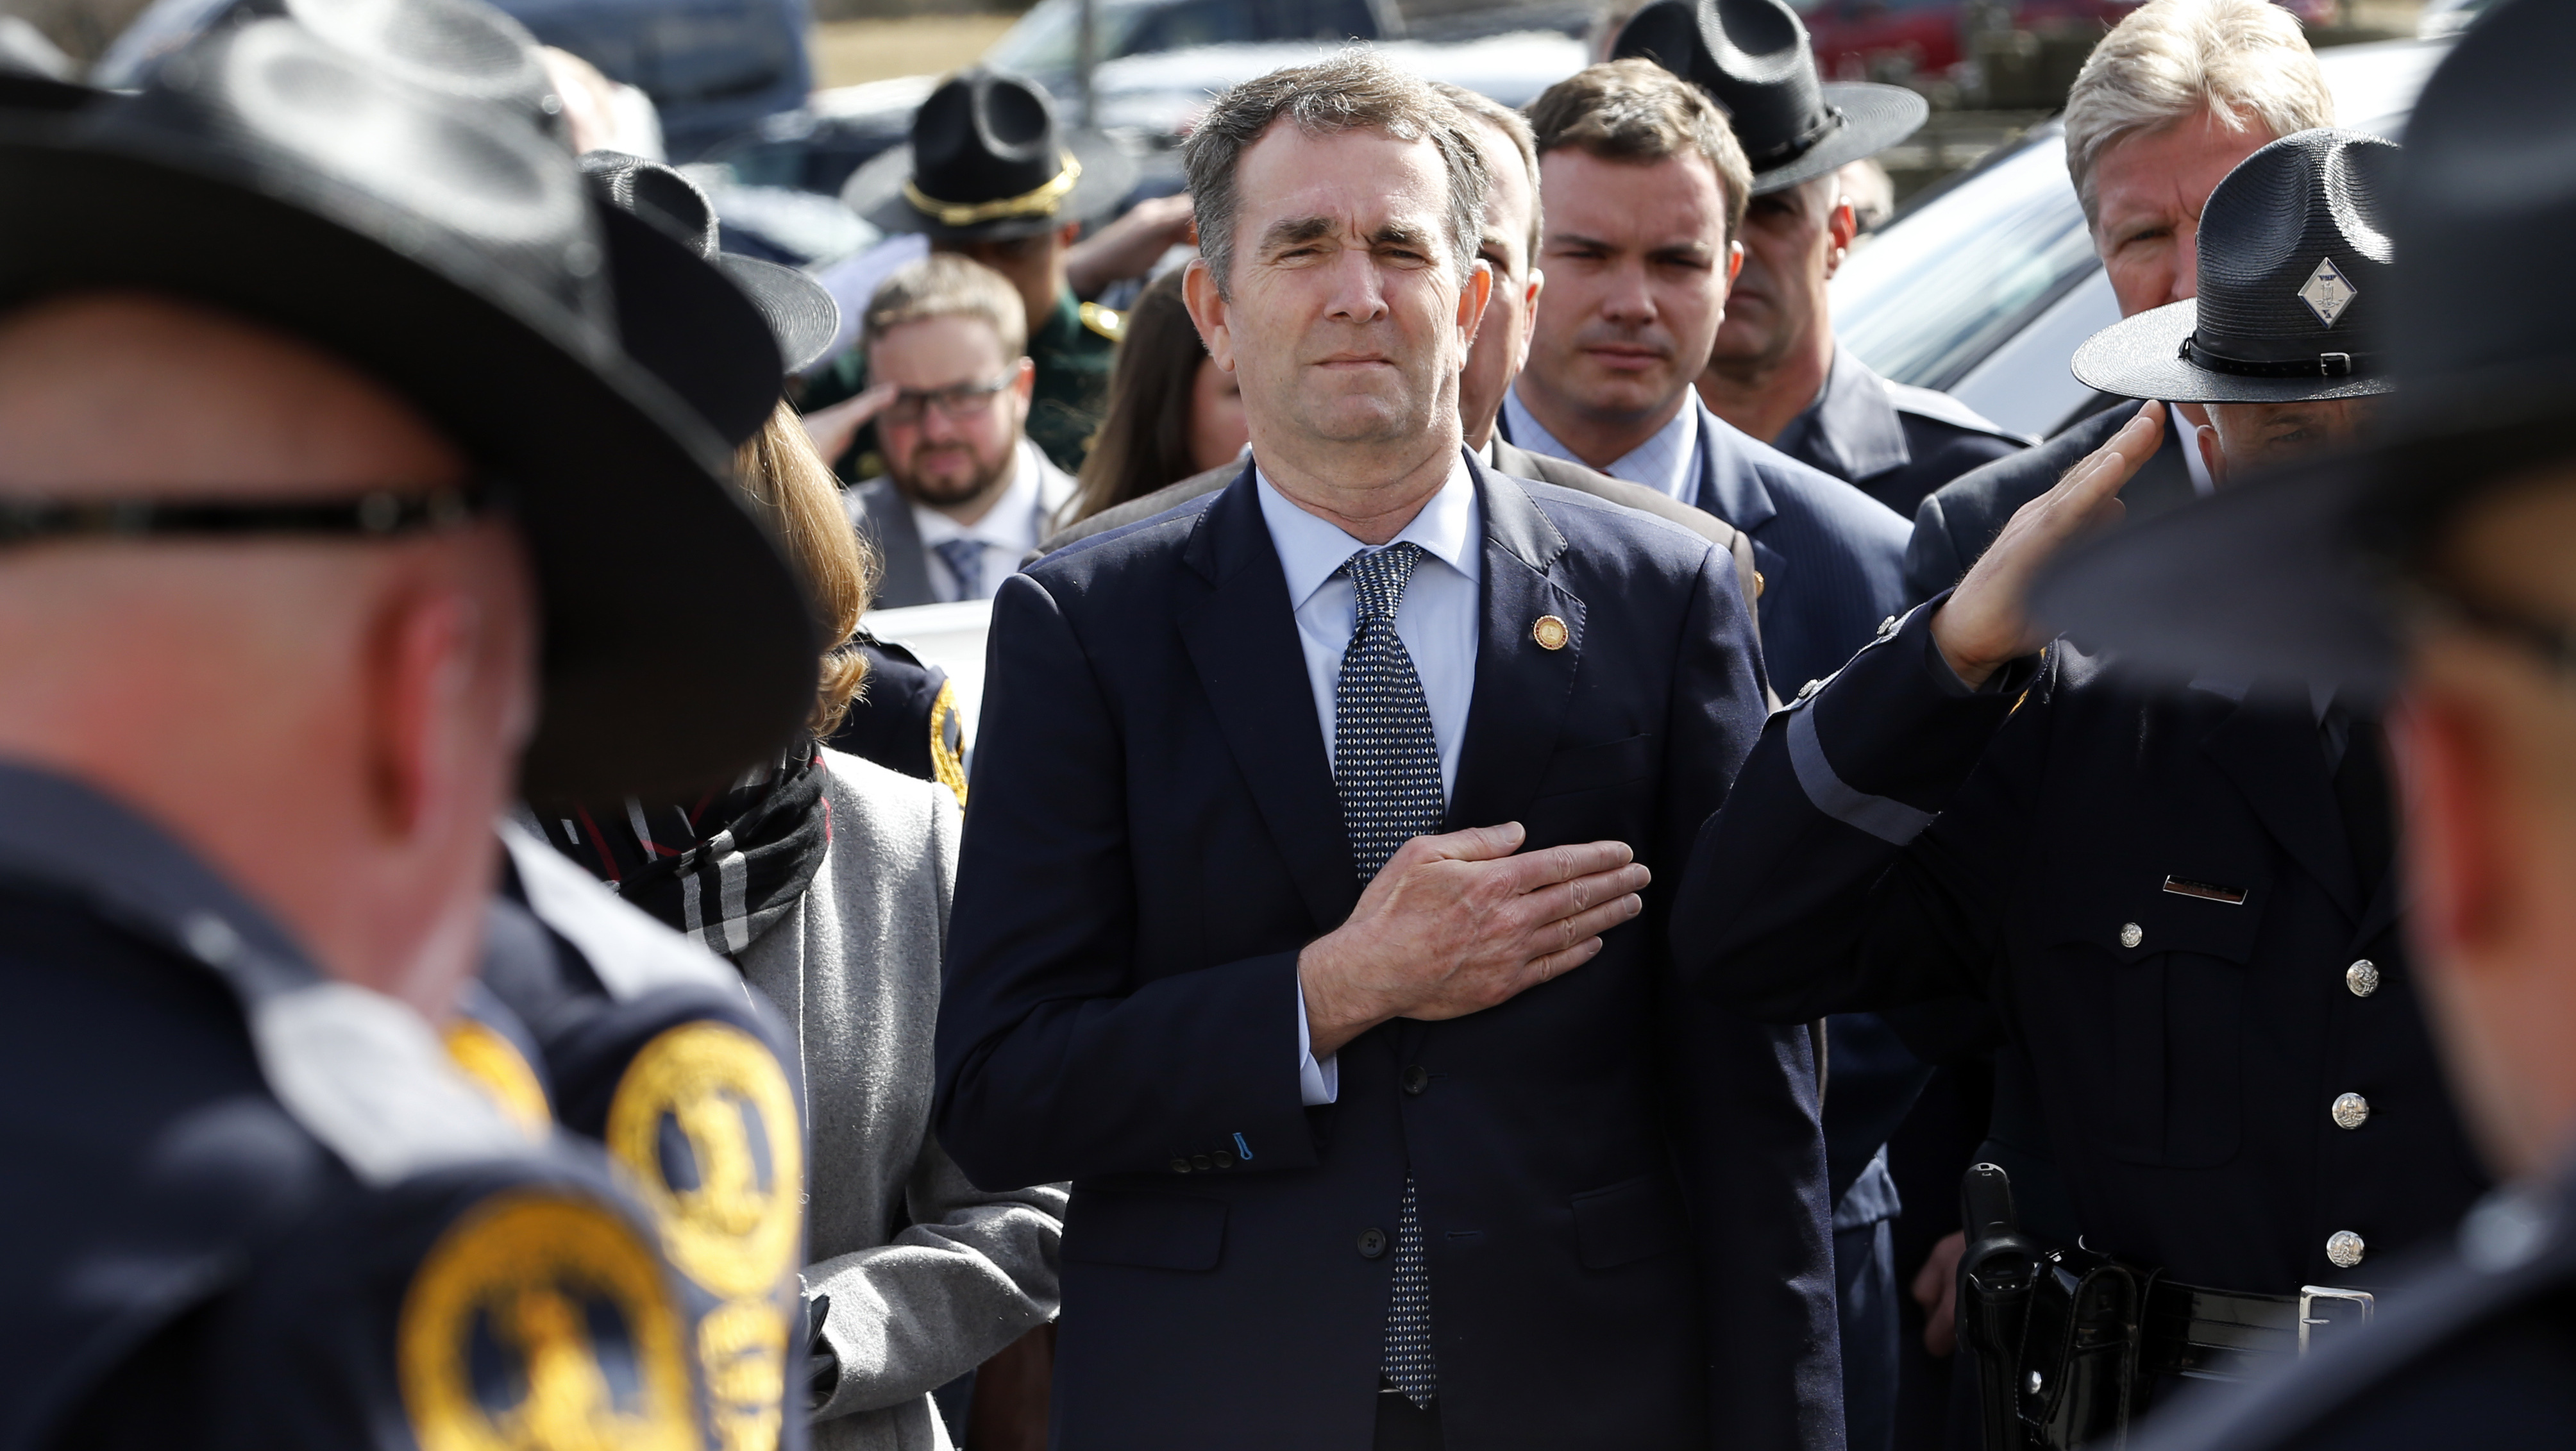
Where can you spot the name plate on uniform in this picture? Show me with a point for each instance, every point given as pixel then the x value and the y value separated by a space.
pixel 2206 891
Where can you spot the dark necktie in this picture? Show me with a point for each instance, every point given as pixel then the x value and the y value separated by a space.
pixel 1386 769
pixel 965 560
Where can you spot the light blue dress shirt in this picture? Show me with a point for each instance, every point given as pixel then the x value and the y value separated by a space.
pixel 1667 462
pixel 1437 622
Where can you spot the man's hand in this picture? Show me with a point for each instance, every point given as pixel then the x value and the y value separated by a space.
pixel 1456 924
pixel 832 428
pixel 1129 246
pixel 1936 1289
pixel 1986 622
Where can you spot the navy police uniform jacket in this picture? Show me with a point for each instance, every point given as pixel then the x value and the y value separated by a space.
pixel 2157 894
pixel 252 1207
pixel 2475 1349
pixel 1622 1193
pixel 1896 442
pixel 652 1047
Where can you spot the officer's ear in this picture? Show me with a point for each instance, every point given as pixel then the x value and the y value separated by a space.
pixel 1842 224
pixel 1024 379
pixel 2213 451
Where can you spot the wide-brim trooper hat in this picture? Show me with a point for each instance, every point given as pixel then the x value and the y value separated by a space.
pixel 1754 59
pixel 988 162
pixel 2293 282
pixel 448 246
pixel 2311 572
pixel 802 318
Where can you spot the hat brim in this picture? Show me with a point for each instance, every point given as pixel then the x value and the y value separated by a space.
pixel 803 319
pixel 678 647
pixel 875 192
pixel 683 320
pixel 1874 118
pixel 2141 357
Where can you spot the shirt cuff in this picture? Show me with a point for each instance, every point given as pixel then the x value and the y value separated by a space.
pixel 1317 1083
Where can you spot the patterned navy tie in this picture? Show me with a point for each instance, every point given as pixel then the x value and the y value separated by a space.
pixel 965 560
pixel 1386 769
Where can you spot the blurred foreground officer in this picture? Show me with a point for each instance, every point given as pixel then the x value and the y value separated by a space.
pixel 2170 101
pixel 1299 913
pixel 2177 899
pixel 258 1206
pixel 1775 372
pixel 2437 559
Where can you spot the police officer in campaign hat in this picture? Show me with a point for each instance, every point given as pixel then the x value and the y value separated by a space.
pixel 2176 897
pixel 391 429
pixel 2434 562
pixel 1776 372
pixel 991 173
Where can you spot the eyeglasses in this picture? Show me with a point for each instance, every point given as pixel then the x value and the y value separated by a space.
pixel 956 403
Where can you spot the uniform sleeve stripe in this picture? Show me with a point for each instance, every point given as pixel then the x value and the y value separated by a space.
pixel 1893 822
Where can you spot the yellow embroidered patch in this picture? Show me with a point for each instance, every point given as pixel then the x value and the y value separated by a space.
pixel 705 1118
pixel 540 1323
pixel 948 741
pixel 495 1065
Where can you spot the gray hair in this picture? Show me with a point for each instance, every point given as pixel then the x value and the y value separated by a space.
pixel 1515 127
pixel 2242 61
pixel 1353 91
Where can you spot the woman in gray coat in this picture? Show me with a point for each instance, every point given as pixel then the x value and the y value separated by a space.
pixel 826 879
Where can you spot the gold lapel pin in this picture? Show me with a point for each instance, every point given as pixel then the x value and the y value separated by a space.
pixel 1549 632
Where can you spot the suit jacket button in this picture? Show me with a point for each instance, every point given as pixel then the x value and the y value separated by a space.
pixel 1180 1166
pixel 1372 1243
pixel 1202 1162
pixel 1416 1078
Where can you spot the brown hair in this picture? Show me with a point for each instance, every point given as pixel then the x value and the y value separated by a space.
pixel 1512 124
pixel 1144 443
pixel 792 490
pixel 945 284
pixel 1636 111
pixel 1355 90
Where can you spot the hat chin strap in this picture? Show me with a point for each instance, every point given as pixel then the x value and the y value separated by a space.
pixel 2323 365
pixel 1038 202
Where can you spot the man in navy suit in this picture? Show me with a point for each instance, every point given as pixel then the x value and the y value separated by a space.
pixel 1643 189
pixel 1304 916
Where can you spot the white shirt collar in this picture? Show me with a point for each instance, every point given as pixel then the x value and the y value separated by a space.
pixel 1012 523
pixel 1665 462
pixel 1312 547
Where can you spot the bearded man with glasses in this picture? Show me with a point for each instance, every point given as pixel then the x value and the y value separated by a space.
pixel 965 494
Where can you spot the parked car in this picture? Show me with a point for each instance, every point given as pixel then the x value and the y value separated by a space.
pixel 1866 39
pixel 714 68
pixel 1985 289
pixel 1044 45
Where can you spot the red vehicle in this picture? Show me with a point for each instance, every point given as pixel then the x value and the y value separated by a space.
pixel 1869 39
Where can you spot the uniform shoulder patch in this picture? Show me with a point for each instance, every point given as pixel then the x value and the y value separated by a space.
pixel 948 741
pixel 496 1066
pixel 542 1322
pixel 1106 321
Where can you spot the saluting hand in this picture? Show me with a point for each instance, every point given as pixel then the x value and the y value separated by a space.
pixel 832 428
pixel 1456 924
pixel 1986 622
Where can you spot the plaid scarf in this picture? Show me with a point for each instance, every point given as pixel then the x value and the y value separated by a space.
pixel 723 871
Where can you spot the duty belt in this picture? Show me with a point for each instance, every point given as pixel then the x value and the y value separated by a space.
pixel 2070 1343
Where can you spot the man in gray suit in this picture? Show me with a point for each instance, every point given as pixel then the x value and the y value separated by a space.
pixel 1508 245
pixel 965 493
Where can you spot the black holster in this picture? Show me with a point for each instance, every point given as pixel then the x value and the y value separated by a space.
pixel 2056 1332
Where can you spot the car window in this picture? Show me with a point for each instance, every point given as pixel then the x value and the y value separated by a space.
pixel 1192 22
pixel 1042 44
pixel 1928 298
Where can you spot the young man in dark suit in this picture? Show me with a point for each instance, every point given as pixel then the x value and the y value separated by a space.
pixel 1305 918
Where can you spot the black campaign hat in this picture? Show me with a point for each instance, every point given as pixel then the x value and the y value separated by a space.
pixel 1753 58
pixel 449 247
pixel 2297 573
pixel 661 221
pixel 2294 267
pixel 988 162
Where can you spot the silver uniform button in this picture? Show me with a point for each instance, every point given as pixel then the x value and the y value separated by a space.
pixel 1887 627
pixel 2131 934
pixel 2362 977
pixel 2344 1248
pixel 1810 688
pixel 2351 1110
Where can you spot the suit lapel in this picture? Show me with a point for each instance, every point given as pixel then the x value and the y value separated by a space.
pixel 1522 688
pixel 2282 773
pixel 1242 639
pixel 907 575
